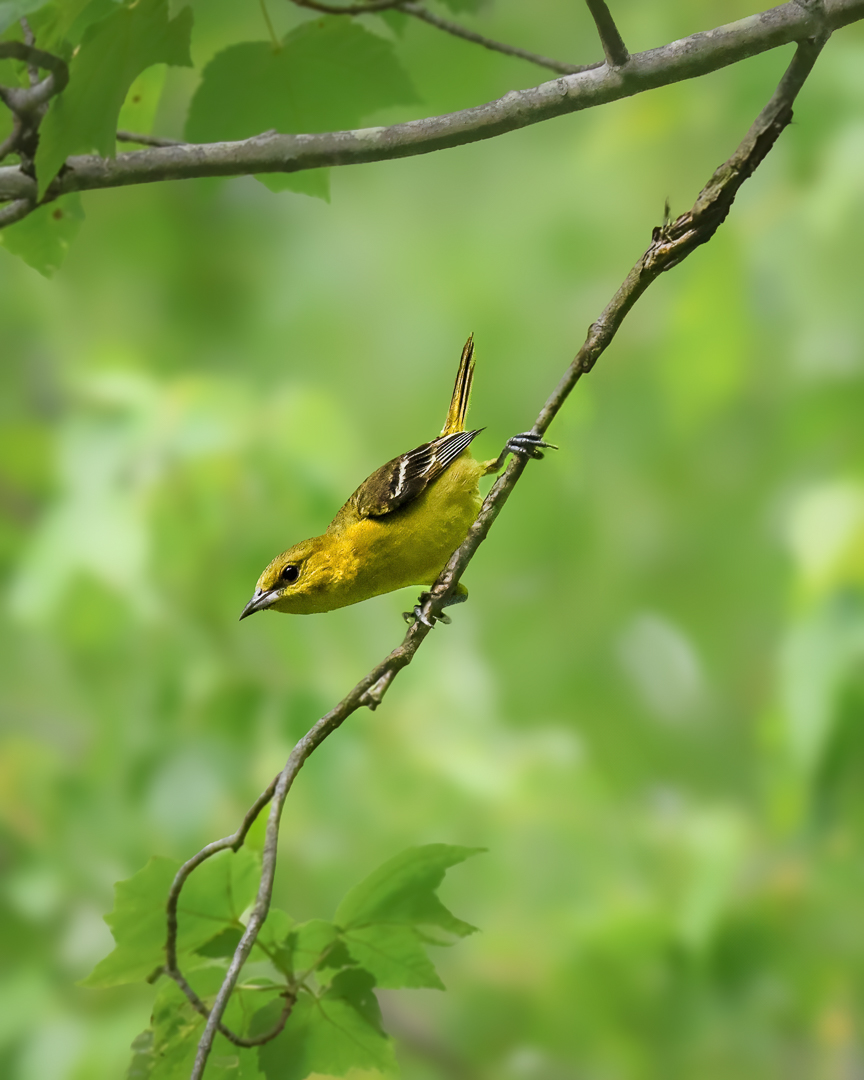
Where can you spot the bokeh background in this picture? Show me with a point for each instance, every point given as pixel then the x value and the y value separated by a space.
pixel 650 711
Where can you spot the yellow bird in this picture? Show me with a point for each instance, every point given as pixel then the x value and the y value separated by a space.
pixel 401 525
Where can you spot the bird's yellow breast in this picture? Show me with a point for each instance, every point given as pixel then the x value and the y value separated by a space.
pixel 360 557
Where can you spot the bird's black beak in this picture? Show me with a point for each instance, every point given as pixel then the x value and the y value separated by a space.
pixel 260 601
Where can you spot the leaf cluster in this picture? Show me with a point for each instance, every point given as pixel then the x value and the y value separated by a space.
pixel 328 73
pixel 326 970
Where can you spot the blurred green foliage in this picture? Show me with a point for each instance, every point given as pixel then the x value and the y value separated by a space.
pixel 650 711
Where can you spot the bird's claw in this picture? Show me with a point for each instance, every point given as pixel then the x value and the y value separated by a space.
pixel 418 615
pixel 527 444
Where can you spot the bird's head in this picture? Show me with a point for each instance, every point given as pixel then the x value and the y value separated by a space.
pixel 296 581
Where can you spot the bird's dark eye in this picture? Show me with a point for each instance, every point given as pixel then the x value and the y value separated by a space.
pixel 290 573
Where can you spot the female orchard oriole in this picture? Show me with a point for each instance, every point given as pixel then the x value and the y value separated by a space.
pixel 399 527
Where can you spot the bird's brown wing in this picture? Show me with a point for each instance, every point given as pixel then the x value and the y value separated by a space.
pixel 401 480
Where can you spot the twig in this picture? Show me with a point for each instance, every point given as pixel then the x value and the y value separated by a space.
pixel 29 39
pixel 420 12
pixel 23 100
pixel 28 105
pixel 679 60
pixel 610 38
pixel 348 9
pixel 147 140
pixel 11 141
pixel 671 244
pixel 449 27
pixel 277 45
pixel 15 211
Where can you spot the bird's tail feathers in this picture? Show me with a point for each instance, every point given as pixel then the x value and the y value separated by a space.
pixel 461 391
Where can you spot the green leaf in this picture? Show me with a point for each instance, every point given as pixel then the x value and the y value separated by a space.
pixel 277 941
pixel 329 75
pixel 142 101
pixel 396 20
pixel 214 896
pixel 394 955
pixel 218 892
pixel 42 238
pixel 177 1026
pixel 12 10
pixel 166 1051
pixel 141 1066
pixel 316 944
pixel 64 23
pixel 223 944
pixel 137 924
pixel 112 55
pixel 403 891
pixel 314 182
pixel 382 917
pixel 330 1034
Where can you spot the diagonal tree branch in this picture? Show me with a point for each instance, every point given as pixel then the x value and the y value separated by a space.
pixel 671 243
pixel 685 59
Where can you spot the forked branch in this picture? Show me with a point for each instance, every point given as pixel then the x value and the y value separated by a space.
pixel 671 243
pixel 272 152
pixel 27 105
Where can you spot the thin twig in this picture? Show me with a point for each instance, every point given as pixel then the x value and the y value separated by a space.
pixel 610 38
pixel 671 244
pixel 679 60
pixel 234 842
pixel 277 45
pixel 348 9
pixel 147 140
pixel 29 39
pixel 449 27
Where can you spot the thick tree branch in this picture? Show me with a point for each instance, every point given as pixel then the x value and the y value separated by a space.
pixel 684 59
pixel 671 244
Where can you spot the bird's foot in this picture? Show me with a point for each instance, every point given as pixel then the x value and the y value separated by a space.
pixel 417 615
pixel 527 444
pixel 459 596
